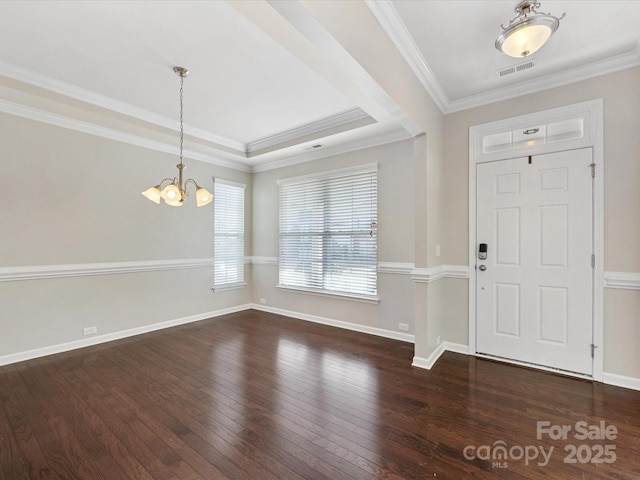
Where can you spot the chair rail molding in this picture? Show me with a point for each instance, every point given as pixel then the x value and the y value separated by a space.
pixel 39 272
pixel 622 280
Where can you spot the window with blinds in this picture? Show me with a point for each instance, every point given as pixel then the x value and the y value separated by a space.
pixel 228 234
pixel 328 232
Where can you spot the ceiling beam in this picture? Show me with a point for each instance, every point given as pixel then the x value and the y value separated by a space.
pixel 296 26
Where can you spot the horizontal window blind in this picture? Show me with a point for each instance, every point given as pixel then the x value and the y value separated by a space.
pixel 328 233
pixel 228 247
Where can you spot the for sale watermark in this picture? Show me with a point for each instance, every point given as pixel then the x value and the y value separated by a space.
pixel 584 443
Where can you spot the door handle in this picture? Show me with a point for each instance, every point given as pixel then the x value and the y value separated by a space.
pixel 482 268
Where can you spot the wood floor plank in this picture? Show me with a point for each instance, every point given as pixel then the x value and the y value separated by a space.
pixel 254 395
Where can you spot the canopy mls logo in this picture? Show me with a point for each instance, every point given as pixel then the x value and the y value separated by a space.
pixel 500 453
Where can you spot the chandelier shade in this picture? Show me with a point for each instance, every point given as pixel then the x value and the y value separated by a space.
pixel 528 31
pixel 175 192
pixel 153 194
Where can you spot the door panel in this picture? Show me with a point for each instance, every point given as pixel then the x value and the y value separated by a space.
pixel 534 299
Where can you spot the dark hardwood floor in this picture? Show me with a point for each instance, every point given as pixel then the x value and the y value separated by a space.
pixel 258 396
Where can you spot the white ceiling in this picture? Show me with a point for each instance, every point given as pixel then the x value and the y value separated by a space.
pixel 456 40
pixel 261 92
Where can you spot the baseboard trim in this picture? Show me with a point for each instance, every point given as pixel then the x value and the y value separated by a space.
pixel 621 381
pixel 109 337
pixel 380 332
pixel 429 362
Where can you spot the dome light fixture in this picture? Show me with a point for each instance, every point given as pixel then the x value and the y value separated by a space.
pixel 527 31
pixel 176 191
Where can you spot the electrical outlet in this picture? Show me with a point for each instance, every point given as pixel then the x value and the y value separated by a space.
pixel 89 330
pixel 263 301
pixel 438 340
pixel 403 326
pixel 437 250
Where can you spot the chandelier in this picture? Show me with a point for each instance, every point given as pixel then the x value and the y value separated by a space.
pixel 527 31
pixel 176 190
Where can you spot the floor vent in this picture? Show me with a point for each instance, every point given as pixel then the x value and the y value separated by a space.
pixel 516 68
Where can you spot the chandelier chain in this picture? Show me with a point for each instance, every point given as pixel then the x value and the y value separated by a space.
pixel 175 192
pixel 181 107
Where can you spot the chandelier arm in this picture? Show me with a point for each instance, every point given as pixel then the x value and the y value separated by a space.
pixel 190 180
pixel 165 179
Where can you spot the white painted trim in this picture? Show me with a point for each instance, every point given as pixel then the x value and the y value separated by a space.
pixel 433 274
pixel 329 294
pixel 396 30
pixel 607 378
pixel 380 332
pixel 309 129
pixel 38 272
pixel 328 174
pixel 623 280
pixel 396 268
pixel 457 271
pixel 621 381
pixel 566 77
pixel 263 260
pixel 43 116
pixel 429 362
pixel 234 148
pixel 392 24
pixel 308 156
pixel 428 275
pixel 72 91
pixel 588 111
pixel 87 342
pixel 594 138
pixel 230 286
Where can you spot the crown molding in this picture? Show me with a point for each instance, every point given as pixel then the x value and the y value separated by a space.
pixel 241 150
pixel 117 135
pixel 392 23
pixel 585 72
pixel 396 30
pixel 309 129
pixel 84 95
pixel 63 121
pixel 372 141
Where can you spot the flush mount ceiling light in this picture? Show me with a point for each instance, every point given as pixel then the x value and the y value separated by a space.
pixel 527 31
pixel 176 191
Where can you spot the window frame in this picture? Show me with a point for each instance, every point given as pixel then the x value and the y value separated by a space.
pixel 331 176
pixel 240 259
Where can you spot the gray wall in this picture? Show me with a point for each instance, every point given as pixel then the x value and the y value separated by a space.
pixel 73 198
pixel 72 214
pixel 621 94
pixel 395 240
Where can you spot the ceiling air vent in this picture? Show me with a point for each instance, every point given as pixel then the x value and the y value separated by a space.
pixel 516 68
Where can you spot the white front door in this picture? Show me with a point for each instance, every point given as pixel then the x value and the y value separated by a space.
pixel 534 290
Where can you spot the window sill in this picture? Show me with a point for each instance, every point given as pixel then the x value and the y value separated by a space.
pixel 326 293
pixel 231 286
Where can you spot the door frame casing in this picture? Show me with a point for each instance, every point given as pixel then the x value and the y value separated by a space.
pixel 591 113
